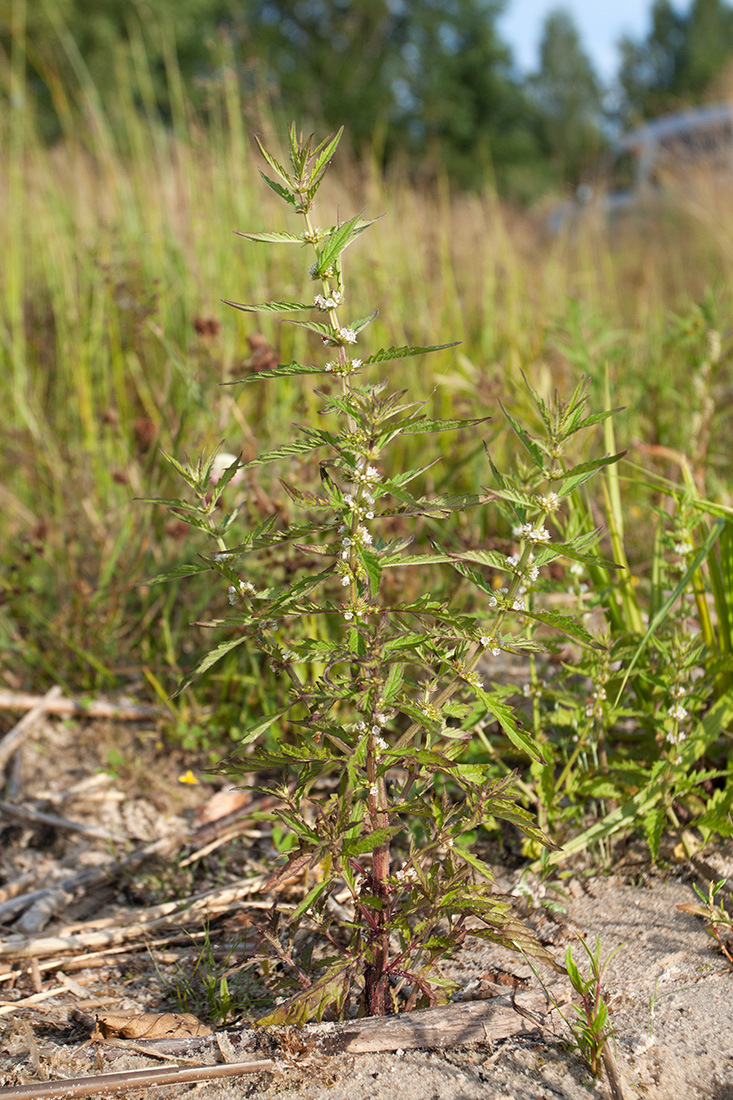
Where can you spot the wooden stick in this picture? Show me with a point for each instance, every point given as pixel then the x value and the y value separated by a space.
pixel 429 1029
pixel 132 1079
pixel 85 881
pixel 58 704
pixel 9 1007
pixel 36 817
pixel 95 876
pixel 75 939
pixel 39 706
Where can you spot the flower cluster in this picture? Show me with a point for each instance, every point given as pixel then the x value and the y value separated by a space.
pixel 332 302
pixel 531 533
pixel 239 591
pixel 343 369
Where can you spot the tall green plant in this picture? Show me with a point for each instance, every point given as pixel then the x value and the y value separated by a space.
pixel 377 794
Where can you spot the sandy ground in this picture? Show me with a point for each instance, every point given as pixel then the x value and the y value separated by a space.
pixel 669 990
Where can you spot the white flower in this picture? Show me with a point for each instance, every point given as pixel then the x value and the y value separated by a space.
pixel 345 581
pixel 374 790
pixel 348 615
pixel 678 691
pixel 344 555
pixel 493 601
pixel 518 605
pixel 346 336
pixel 376 730
pixel 381 717
pixel 355 364
pixel 372 473
pixel 364 536
pixel 381 743
pixel 331 366
pixel 361 726
pixel 495 651
pixel 684 547
pixel 552 502
pixel 513 560
pixel 369 515
pixel 538 534
pixel 521 530
pixel 577 569
pixel 677 712
pixel 346 542
pixel 243 588
pixel 533 572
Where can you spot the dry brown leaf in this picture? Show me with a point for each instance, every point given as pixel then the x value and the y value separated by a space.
pixel 148 1025
pixel 220 804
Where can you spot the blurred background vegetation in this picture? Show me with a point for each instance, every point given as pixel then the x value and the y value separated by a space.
pixel 127 161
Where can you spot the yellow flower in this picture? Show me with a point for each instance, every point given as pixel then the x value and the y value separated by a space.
pixel 189 777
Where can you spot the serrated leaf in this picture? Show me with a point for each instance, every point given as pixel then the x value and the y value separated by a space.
pixel 189 569
pixel 385 355
pixel 324 152
pixel 274 164
pixel 271 238
pixel 524 438
pixel 210 660
pixel 283 370
pixel 335 245
pixel 280 190
pixel 310 899
pixel 421 425
pixel 566 624
pixel 269 307
pixel 509 723
pixel 369 841
pixel 568 482
pixel 297 447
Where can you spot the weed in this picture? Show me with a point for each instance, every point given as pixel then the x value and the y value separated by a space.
pixel 591 1029
pixel 384 697
pixel 715 915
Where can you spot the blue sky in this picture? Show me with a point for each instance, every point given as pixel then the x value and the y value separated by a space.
pixel 600 22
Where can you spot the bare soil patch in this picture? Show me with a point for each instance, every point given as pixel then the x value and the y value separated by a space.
pixel 670 992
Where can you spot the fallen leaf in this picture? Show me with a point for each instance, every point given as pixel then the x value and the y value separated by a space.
pixel 148 1025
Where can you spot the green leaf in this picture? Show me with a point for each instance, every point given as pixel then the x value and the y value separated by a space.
pixel 270 307
pixel 393 683
pixel 297 447
pixel 189 569
pixel 280 190
pixel 369 841
pixel 569 482
pixel 384 355
pixel 324 152
pixel 335 245
pixel 209 660
pixel 271 238
pixel 509 723
pixel 523 437
pixel 420 425
pixel 274 164
pixel 566 624
pixel 310 899
pixel 283 370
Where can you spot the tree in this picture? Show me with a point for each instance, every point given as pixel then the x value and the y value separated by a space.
pixel 677 62
pixel 569 98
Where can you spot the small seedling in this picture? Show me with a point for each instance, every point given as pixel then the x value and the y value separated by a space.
pixel 592 1030
pixel 715 915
